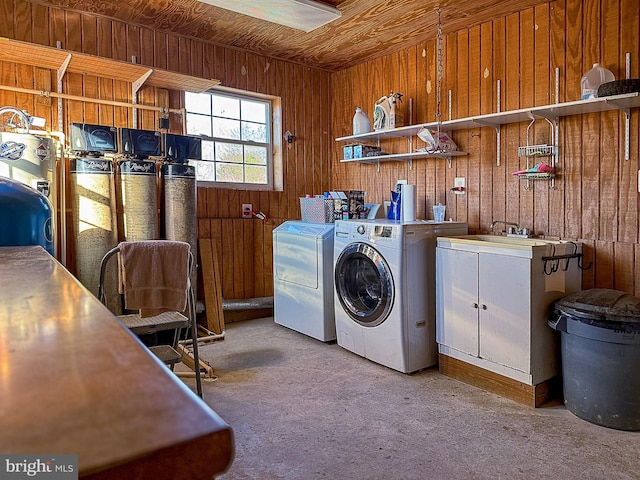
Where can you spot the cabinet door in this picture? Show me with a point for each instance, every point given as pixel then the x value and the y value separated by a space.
pixel 457 287
pixel 505 323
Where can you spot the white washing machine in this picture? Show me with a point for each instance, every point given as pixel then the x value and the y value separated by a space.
pixel 385 290
pixel 303 278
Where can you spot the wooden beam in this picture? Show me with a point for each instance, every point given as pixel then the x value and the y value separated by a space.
pixel 212 284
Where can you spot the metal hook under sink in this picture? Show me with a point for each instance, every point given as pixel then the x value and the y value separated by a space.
pixel 552 262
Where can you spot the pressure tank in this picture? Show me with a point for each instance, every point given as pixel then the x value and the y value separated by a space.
pixel 25 216
pixel 180 222
pixel 94 215
pixel 139 194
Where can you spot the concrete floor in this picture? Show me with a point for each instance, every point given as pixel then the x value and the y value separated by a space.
pixel 303 409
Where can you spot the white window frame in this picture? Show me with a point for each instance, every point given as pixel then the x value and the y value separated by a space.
pixel 274 158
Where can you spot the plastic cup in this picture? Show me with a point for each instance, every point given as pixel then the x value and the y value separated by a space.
pixel 438 213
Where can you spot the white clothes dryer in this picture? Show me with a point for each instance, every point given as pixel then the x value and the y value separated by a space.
pixel 303 278
pixel 385 290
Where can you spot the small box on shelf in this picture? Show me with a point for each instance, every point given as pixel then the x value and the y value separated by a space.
pixel 362 151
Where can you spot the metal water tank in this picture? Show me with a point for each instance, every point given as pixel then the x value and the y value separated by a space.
pixel 180 194
pixel 25 216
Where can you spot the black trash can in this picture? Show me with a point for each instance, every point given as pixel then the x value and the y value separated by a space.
pixel 600 347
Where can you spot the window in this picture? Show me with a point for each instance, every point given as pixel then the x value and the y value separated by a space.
pixel 237 138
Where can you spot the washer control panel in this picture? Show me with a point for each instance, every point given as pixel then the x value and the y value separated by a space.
pixel 367 231
pixel 385 231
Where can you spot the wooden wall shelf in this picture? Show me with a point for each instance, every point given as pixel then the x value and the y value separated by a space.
pixel 75 62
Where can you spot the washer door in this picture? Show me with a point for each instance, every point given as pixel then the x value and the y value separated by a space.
pixel 364 284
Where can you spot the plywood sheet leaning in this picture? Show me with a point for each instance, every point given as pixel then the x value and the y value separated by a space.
pixel 212 285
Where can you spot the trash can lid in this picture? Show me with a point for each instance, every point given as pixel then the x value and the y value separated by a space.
pixel 602 307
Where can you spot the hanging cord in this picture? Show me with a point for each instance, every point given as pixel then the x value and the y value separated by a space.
pixel 439 77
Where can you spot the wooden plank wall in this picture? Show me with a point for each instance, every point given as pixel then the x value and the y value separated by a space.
pixel 244 245
pixel 595 199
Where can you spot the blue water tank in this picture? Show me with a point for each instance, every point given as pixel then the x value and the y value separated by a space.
pixel 25 216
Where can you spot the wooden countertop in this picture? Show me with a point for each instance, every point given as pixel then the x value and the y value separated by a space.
pixel 73 380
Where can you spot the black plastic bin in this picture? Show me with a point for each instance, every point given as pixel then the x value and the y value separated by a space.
pixel 600 347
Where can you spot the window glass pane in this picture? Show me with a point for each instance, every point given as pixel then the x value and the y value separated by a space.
pixel 254 111
pixel 228 152
pixel 254 132
pixel 236 144
pixel 197 103
pixel 255 174
pixel 255 155
pixel 226 128
pixel 227 172
pixel 198 124
pixel 226 107
pixel 205 171
pixel 207 150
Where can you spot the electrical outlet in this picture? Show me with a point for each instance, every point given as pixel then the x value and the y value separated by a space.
pixel 247 208
pixel 460 185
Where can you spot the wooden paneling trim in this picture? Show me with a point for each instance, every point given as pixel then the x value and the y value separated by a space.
pixel 248 273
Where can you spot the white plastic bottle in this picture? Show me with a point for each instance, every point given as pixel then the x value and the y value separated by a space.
pixel 392 111
pixel 361 123
pixel 593 79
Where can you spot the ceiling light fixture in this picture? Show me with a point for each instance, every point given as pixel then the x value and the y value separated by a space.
pixel 305 15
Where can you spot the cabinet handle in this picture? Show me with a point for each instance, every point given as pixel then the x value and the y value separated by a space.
pixel 484 307
pixel 475 305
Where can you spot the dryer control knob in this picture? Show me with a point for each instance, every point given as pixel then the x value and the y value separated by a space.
pixel 361 229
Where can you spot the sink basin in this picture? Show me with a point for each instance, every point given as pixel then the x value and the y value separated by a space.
pixel 505 241
pixel 484 242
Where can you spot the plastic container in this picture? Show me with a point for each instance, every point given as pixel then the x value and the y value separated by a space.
pixel 361 123
pixel 600 348
pixel 25 216
pixel 317 210
pixel 593 79
pixel 438 213
pixel 619 87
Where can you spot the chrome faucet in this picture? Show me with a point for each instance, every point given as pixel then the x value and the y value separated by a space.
pixel 514 229
pixel 494 223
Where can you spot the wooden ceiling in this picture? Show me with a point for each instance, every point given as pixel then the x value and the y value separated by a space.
pixel 367 28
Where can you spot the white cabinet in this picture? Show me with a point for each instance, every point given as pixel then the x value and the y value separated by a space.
pixel 493 302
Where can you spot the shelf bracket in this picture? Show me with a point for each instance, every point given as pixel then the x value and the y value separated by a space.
pixel 137 84
pixel 546 115
pixel 627 113
pixel 497 127
pixel 498 145
pixel 62 69
pixel 618 105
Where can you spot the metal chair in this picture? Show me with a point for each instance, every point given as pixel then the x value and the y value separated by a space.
pixel 165 321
